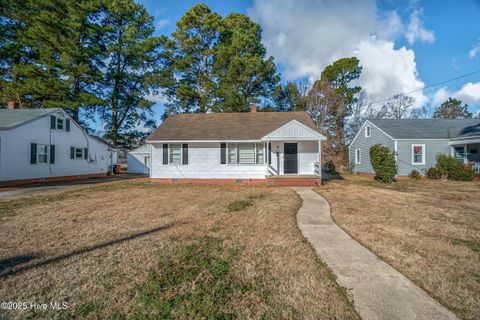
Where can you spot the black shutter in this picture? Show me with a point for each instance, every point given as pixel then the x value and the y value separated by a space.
pixel 53 122
pixel 223 153
pixel 165 153
pixel 265 148
pixel 33 153
pixel 72 152
pixel 67 125
pixel 52 153
pixel 269 153
pixel 85 153
pixel 185 153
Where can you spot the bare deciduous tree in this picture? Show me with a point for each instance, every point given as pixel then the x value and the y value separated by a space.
pixel 325 106
pixel 362 108
pixel 424 112
pixel 399 106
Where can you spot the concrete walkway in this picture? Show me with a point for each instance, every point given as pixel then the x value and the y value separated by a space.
pixel 379 291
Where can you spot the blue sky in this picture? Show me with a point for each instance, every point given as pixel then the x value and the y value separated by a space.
pixel 402 45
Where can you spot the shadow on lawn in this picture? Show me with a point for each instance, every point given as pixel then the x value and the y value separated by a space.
pixel 10 263
pixel 13 261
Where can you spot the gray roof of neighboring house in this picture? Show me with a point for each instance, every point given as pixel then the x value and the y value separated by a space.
pixel 13 118
pixel 429 128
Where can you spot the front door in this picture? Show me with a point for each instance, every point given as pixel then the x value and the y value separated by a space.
pixel 290 162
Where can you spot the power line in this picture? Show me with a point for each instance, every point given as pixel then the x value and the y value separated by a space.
pixel 428 87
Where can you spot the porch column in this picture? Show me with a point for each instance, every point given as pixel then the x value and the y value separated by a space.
pixel 320 158
pixel 465 156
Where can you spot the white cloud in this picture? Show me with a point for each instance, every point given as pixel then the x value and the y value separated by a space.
pixel 469 93
pixel 305 36
pixel 416 30
pixel 390 27
pixel 475 50
pixel 161 23
pixel 388 71
pixel 157 98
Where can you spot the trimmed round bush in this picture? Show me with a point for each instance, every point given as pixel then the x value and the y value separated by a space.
pixel 415 175
pixel 383 162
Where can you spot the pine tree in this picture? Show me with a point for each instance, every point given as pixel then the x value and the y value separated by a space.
pixel 131 69
pixel 452 109
pixel 216 64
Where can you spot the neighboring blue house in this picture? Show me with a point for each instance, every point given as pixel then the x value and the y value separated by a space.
pixel 417 142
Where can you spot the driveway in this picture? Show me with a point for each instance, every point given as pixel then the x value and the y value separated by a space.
pixel 29 189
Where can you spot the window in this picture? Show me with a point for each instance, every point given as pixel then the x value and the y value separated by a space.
pixel 260 157
pixel 60 122
pixel 175 154
pixel 232 153
pixel 358 156
pixel 245 153
pixel 368 132
pixel 418 154
pixel 42 153
pixel 78 153
pixel 459 154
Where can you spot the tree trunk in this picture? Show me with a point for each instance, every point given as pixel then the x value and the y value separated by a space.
pixel 114 131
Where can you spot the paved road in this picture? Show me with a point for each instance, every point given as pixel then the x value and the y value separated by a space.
pixel 27 190
pixel 379 291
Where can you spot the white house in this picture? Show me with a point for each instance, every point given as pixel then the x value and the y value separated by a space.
pixel 138 160
pixel 281 148
pixel 46 144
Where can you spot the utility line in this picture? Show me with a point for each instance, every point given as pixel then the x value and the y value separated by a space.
pixel 429 86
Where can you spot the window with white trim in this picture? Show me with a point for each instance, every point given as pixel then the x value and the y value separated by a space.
pixel 60 123
pixel 358 156
pixel 78 153
pixel 418 154
pixel 245 153
pixel 175 156
pixel 368 131
pixel 42 153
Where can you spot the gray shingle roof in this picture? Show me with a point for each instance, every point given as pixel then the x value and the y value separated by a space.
pixel 13 118
pixel 226 126
pixel 429 128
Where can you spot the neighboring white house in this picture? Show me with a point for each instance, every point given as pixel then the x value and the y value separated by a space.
pixel 46 144
pixel 138 160
pixel 236 147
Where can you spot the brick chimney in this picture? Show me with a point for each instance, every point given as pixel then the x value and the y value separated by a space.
pixel 11 105
pixel 253 108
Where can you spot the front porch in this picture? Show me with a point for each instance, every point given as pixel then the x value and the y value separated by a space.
pixel 293 152
pixel 468 152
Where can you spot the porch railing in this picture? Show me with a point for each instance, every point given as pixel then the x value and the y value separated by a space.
pixel 476 166
pixel 317 168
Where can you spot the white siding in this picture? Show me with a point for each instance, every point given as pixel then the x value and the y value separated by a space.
pixel 138 160
pixel 307 156
pixel 294 130
pixel 15 151
pixel 204 162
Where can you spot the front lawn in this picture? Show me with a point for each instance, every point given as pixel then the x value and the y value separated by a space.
pixel 141 250
pixel 428 230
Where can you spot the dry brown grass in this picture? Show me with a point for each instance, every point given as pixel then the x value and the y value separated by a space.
pixel 428 230
pixel 96 247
